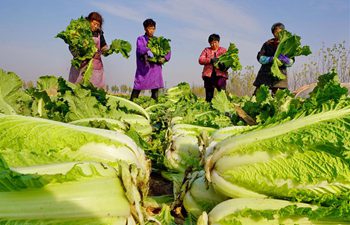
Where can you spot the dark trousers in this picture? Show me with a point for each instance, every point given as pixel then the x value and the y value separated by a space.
pixel 210 83
pixel 135 94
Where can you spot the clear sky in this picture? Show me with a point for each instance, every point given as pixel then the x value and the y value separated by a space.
pixel 28 28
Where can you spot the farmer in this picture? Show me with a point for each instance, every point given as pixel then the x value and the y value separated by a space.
pixel 265 58
pixel 148 75
pixel 213 77
pixel 98 77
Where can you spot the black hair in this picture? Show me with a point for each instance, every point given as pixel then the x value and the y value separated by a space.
pixel 213 37
pixel 276 25
pixel 95 16
pixel 149 23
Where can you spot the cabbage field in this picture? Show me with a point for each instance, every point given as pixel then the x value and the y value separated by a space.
pixel 75 154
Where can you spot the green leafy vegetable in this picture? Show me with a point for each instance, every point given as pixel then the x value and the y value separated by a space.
pixel 230 58
pixel 201 196
pixel 62 193
pixel 28 141
pixel 290 46
pixel 78 36
pixel 221 103
pixel 163 217
pixel 13 100
pixel 279 161
pixel 328 88
pixel 184 148
pixel 250 211
pixel 159 46
pixel 119 46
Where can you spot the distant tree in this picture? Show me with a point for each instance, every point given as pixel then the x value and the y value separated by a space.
pixel 115 89
pixel 30 84
pixel 123 88
pixel 24 84
pixel 199 91
pixel 240 83
pixel 336 57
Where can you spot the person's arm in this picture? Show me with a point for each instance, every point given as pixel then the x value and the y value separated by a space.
pixel 167 56
pixel 164 59
pixel 222 66
pixel 102 40
pixel 265 59
pixel 262 58
pixel 286 60
pixel 203 58
pixel 141 46
pixel 103 44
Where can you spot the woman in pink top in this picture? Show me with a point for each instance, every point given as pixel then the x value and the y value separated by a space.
pixel 213 77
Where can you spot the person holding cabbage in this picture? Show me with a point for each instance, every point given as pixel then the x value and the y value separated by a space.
pixel 213 77
pixel 151 54
pixel 266 56
pixel 98 78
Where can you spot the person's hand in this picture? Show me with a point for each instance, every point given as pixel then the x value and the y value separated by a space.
pixel 222 67
pixel 214 60
pixel 161 60
pixel 105 49
pixel 97 54
pixel 150 54
pixel 284 59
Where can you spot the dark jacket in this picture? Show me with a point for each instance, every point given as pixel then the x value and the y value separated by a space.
pixel 265 75
pixel 102 37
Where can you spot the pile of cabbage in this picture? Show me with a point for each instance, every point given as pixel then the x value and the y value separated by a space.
pixel 75 154
pixel 291 167
pixel 69 154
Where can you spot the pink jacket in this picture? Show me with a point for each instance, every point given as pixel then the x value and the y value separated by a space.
pixel 204 59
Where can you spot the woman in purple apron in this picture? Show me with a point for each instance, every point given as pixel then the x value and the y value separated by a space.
pixel 148 75
pixel 98 77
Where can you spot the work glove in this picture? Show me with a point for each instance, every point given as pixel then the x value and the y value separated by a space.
pixel 214 60
pixel 222 67
pixel 150 54
pixel 284 59
pixel 265 59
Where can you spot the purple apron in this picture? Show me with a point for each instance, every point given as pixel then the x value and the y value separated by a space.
pixel 148 75
pixel 98 77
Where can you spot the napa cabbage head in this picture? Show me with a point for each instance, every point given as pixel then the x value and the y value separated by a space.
pixel 185 146
pixel 200 195
pixel 62 193
pixel 306 159
pixel 13 99
pixel 251 211
pixel 28 141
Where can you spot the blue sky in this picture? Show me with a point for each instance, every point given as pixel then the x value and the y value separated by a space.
pixel 28 46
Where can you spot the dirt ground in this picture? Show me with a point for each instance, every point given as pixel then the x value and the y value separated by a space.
pixel 160 186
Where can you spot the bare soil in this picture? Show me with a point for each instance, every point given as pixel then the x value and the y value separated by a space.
pixel 160 186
